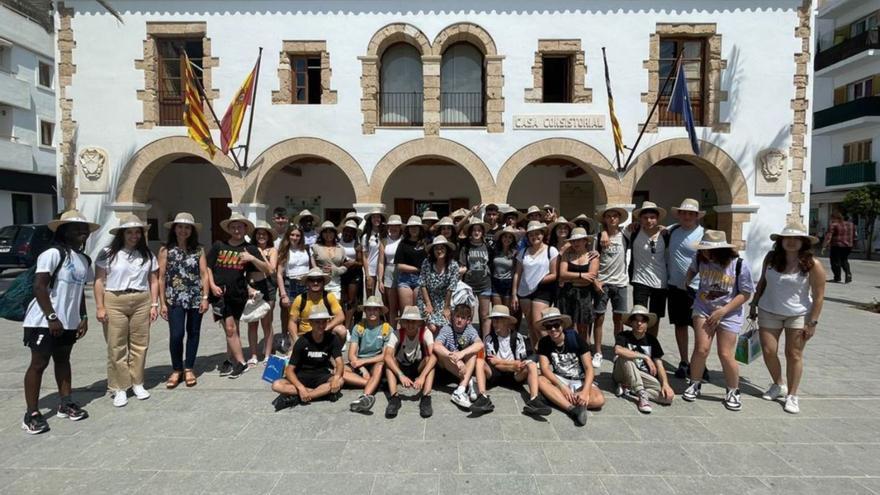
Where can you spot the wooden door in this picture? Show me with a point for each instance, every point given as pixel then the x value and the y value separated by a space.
pixel 219 211
pixel 456 203
pixel 403 207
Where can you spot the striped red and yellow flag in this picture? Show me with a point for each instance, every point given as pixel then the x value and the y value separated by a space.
pixel 193 114
pixel 615 125
pixel 234 116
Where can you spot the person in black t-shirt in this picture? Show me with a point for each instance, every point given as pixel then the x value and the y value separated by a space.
pixel 315 367
pixel 639 367
pixel 409 257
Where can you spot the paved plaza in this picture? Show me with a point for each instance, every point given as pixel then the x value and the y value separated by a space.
pixel 223 437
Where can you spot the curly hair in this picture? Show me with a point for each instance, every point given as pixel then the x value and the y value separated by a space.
pixel 805 257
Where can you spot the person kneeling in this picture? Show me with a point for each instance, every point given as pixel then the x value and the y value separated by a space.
pixel 506 360
pixel 639 367
pixel 410 360
pixel 458 349
pixel 315 367
pixel 567 367
pixel 365 359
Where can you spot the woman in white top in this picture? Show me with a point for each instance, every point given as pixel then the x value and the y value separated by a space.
pixel 294 261
pixel 264 239
pixel 353 278
pixel 386 269
pixel 534 282
pixel 127 300
pixel 790 297
pixel 374 231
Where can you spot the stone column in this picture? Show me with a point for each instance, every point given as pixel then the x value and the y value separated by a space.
pixel 431 88
pixel 369 90
pixel 253 211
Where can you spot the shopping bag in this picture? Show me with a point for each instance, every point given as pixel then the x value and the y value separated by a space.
pixel 748 345
pixel 274 368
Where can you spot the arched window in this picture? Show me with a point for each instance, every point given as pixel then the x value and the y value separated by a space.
pixel 400 86
pixel 462 95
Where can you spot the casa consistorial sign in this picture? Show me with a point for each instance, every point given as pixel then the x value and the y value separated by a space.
pixel 559 122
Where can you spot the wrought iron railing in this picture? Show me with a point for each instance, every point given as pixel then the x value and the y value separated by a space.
pixel 847 48
pixel 462 109
pixel 401 109
pixel 170 108
pixel 860 107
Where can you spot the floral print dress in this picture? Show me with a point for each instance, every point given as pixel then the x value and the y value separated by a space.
pixel 183 282
pixel 437 285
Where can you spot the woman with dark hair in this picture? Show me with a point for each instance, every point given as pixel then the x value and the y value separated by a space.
pixel 409 257
pixel 183 294
pixel 437 280
pixel 474 261
pixel 264 239
pixel 578 271
pixel 294 261
pixel 386 271
pixel 329 256
pixel 353 279
pixel 504 262
pixel 374 232
pixel 127 300
pixel 447 228
pixel 535 279
pixel 789 297
pixel 725 285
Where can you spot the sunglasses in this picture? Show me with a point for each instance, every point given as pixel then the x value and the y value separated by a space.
pixel 551 326
pixel 653 245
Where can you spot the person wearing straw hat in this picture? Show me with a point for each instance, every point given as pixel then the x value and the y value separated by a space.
pixel 410 360
pixel 366 359
pixel 280 224
pixel 387 268
pixel 429 218
pixel 352 280
pixel 639 368
pixel 459 351
pixel 534 214
pixel 511 217
pixel 353 216
pixel 315 368
pixel 56 317
pixel 725 286
pixel 789 297
pixel 459 214
pixel 306 221
pixel 504 260
pixel 586 223
pixel 264 239
pixel 647 265
pixel 578 271
pixel 447 228
pixel 409 257
pixel 475 270
pixel 534 282
pixel 301 307
pixel 329 256
pixel 232 264
pixel 682 237
pixel 438 279
pixel 611 286
pixel 294 261
pixel 566 368
pixel 127 302
pixel 183 294
pixel 374 232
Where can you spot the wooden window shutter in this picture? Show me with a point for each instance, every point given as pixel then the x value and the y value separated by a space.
pixel 840 95
pixel 456 203
pixel 875 85
pixel 404 207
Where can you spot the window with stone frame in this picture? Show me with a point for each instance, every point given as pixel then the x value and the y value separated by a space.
pixel 693 58
pixel 304 74
pixel 556 71
pixel 170 75
pixel 559 73
pixel 306 79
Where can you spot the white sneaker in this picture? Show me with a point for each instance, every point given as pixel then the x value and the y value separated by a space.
pixel 140 392
pixel 120 398
pixel 252 362
pixel 472 389
pixel 597 361
pixel 775 392
pixel 460 398
pixel 791 404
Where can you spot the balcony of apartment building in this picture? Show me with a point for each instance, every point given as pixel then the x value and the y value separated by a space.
pixel 856 105
pixel 14 91
pixel 849 174
pixel 846 52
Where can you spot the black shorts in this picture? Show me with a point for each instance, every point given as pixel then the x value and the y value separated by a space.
pixel 228 305
pixel 410 371
pixel 505 378
pixel 313 379
pixel 354 276
pixel 40 340
pixel 545 293
pixel 681 304
pixel 651 298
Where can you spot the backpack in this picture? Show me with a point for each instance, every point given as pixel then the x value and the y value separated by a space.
pixel 360 328
pixel 324 297
pixel 401 335
pixel 666 234
pixel 16 301
pixel 493 338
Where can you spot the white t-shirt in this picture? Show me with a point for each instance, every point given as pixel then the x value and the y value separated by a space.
pixel 127 270
pixel 350 249
pixel 410 352
pixel 649 268
pixel 66 295
pixel 534 268
pixel 391 249
pixel 297 263
pixel 504 350
pixel 371 244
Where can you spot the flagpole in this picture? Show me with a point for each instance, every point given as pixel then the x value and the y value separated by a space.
pixel 247 147
pixel 672 73
pixel 608 88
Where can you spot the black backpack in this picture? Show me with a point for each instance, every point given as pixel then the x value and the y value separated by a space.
pixel 305 299
pixel 666 234
pixel 15 302
pixel 493 338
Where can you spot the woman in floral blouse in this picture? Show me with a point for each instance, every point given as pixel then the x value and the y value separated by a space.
pixel 437 281
pixel 183 294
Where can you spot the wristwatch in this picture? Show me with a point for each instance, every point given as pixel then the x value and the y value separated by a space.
pixel 51 317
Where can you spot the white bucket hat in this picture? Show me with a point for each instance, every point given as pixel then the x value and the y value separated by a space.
pixel 441 240
pixel 393 220
pixel 579 233
pixel 795 229
pixel 535 225
pixel 374 302
pixel 430 215
pixel 689 204
pixel 415 221
pixel 130 222
pixel 411 313
pixel 319 312
pixel 184 218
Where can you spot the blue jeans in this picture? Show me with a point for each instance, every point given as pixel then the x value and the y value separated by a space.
pixel 183 321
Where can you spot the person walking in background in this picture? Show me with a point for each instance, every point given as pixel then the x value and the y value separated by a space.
pixel 841 238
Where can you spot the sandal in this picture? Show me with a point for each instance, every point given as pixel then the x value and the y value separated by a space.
pixel 173 380
pixel 190 378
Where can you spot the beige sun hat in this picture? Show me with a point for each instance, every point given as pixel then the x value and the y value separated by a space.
pixel 441 240
pixel 474 222
pixel 376 211
pixel 394 220
pixel 579 233
pixel 415 221
pixel 304 214
pixel 584 218
pixel 650 205
pixel 513 231
pixel 184 218
pixel 551 314
pixel 509 210
pixel 327 225
pixel 130 222
pixel 264 225
pixel 353 215
pixel 713 239
pixel 639 310
pixel 445 222
pixel 315 273
pixel 411 313
pixel 461 212
pixel 689 204
pixel 534 209
pixel 350 224
pixel 501 311
pixel 237 217
pixel 319 312
pixel 560 221
pixel 624 215
pixel 795 229
pixel 72 216
pixel 374 302
pixel 430 215
pixel 536 225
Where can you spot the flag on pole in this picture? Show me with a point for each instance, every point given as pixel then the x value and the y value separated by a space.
pixel 193 115
pixel 234 116
pixel 615 125
pixel 680 103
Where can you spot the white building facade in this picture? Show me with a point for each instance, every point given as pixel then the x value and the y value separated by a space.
pixel 414 105
pixel 27 120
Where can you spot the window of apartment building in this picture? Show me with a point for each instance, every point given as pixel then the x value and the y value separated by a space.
pixel 401 86
pixel 693 52
pixel 306 79
pixel 859 151
pixel 170 74
pixel 5 55
pixel 22 209
pixel 556 71
pixel 860 89
pixel 44 74
pixel 47 129
pixel 866 23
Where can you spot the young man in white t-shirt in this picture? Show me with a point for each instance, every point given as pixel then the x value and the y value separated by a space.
pixel 56 317
pixel 410 361
pixel 648 262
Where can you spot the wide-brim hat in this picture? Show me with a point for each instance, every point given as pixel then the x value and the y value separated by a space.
pixel 536 225
pixel 560 221
pixel 129 222
pixel 794 229
pixel 534 209
pixel 689 204
pixel 551 314
pixel 374 302
pixel 624 215
pixel 578 233
pixel 461 212
pixel 349 224
pixel 713 239
pixel 237 217
pixel 353 215
pixel 393 220
pixel 72 216
pixel 445 222
pixel 264 225
pixel 411 313
pixel 319 312
pixel 304 214
pixel 415 221
pixel 647 206
pixel 184 218
pixel 327 225
pixel 584 218
pixel 315 273
pixel 513 231
pixel 474 222
pixel 430 215
pixel 501 311
pixel 376 212
pixel 639 310
pixel 441 240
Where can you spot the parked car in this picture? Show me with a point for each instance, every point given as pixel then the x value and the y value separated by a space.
pixel 21 244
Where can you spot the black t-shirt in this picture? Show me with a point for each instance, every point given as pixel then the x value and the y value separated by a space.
pixel 410 253
pixel 476 259
pixel 565 359
pixel 315 357
pixel 228 270
pixel 647 345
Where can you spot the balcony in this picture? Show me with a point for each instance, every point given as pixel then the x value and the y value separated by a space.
pixel 866 41
pixel 461 109
pixel 14 91
pixel 848 112
pixel 401 109
pixel 851 173
pixel 15 155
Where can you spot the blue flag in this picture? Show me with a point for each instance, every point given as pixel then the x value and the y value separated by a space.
pixel 681 103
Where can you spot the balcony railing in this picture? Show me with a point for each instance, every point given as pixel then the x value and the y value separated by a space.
pixel 401 109
pixel 851 173
pixel 462 109
pixel 170 108
pixel 847 48
pixel 861 107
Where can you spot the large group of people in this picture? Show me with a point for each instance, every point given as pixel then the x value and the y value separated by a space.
pixel 483 297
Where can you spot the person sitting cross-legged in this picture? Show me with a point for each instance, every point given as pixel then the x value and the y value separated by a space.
pixel 567 367
pixel 410 362
pixel 458 347
pixel 366 360
pixel 315 368
pixel 639 367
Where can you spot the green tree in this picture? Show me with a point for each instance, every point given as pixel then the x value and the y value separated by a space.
pixel 865 202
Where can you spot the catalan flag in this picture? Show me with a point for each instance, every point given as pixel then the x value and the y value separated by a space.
pixel 615 125
pixel 232 119
pixel 193 114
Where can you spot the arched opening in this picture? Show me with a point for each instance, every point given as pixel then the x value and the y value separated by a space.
pixel 430 183
pixel 462 86
pixel 401 86
pixel 673 179
pixel 559 182
pixel 311 183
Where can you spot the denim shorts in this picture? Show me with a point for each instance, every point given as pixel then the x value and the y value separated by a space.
pixel 614 294
pixel 502 288
pixel 408 280
pixel 294 287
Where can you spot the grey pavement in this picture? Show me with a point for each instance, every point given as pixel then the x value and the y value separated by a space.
pixel 223 436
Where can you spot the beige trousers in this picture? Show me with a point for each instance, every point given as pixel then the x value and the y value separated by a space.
pixel 629 375
pixel 127 333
